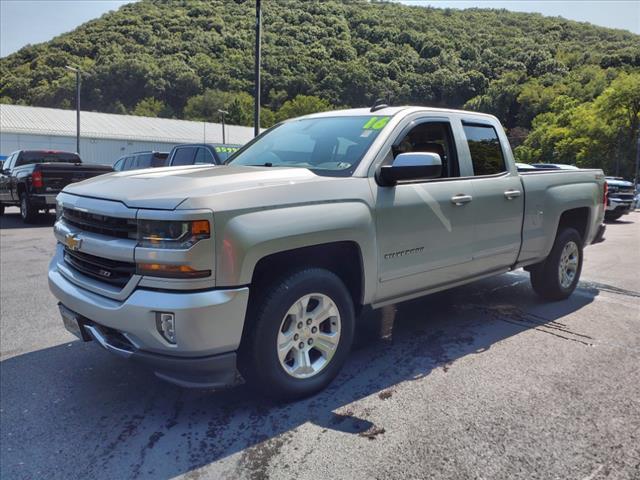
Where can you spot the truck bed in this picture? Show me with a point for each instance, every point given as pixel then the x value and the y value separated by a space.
pixel 547 194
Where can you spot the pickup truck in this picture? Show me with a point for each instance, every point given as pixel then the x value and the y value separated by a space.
pixel 31 179
pixel 262 266
pixel 201 153
pixel 620 199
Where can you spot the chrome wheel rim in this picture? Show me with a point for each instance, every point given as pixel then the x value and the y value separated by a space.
pixel 568 264
pixel 23 207
pixel 308 336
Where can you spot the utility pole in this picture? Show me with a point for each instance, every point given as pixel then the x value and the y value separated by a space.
pixel 223 113
pixel 77 71
pixel 256 112
pixel 636 180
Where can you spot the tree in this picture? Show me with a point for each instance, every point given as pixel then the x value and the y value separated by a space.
pixel 302 105
pixel 151 107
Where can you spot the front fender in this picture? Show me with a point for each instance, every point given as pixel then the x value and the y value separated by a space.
pixel 248 237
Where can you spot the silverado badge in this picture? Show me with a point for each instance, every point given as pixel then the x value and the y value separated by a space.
pixel 72 241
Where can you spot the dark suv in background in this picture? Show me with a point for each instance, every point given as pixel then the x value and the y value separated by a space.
pixel 138 160
pixel 201 153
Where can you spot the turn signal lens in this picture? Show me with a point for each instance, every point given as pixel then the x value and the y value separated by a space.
pixel 170 271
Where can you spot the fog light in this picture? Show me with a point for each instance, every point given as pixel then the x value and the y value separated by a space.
pixel 166 325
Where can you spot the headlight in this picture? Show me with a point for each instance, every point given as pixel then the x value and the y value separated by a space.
pixel 177 235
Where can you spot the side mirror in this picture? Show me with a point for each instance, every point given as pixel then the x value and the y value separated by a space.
pixel 410 166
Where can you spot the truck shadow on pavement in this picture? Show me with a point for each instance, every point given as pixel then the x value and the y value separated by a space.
pixel 74 411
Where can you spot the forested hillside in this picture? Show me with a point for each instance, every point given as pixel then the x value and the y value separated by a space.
pixel 569 91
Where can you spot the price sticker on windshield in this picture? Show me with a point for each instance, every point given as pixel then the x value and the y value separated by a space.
pixel 376 123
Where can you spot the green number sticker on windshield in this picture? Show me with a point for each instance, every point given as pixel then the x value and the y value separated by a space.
pixel 376 123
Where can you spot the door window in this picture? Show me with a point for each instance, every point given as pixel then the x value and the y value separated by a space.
pixel 485 149
pixel 203 155
pixel 431 137
pixel 183 156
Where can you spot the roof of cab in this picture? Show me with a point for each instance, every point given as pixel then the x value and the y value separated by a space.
pixel 391 111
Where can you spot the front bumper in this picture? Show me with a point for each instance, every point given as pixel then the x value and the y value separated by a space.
pixel 619 206
pixel 208 327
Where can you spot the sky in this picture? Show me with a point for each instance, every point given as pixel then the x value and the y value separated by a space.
pixel 25 22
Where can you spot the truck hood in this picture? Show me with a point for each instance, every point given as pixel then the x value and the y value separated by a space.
pixel 166 188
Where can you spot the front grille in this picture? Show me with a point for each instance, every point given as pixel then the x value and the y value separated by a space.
pixel 103 224
pixel 110 271
pixel 622 196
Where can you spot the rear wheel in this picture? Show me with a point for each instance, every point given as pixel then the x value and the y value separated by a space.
pixel 27 211
pixel 300 335
pixel 557 277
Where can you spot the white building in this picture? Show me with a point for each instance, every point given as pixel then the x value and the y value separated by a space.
pixel 104 137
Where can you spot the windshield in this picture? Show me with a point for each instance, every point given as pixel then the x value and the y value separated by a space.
pixel 328 145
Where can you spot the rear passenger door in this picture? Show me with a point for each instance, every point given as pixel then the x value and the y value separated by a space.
pixel 498 197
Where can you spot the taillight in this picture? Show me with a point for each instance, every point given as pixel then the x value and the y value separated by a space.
pixel 605 194
pixel 36 179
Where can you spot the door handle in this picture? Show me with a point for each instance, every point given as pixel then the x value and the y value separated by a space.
pixel 511 194
pixel 461 199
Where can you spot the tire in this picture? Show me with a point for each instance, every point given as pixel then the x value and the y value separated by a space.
pixel 547 278
pixel 612 217
pixel 27 211
pixel 271 323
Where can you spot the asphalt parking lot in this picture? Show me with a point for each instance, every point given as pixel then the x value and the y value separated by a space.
pixel 484 381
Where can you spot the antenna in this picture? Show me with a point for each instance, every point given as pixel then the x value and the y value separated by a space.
pixel 378 105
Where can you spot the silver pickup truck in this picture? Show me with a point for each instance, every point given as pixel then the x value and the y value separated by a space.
pixel 261 266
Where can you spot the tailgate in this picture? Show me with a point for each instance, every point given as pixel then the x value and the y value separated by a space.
pixel 56 176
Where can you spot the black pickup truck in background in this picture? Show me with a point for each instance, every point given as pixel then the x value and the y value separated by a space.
pixel 31 179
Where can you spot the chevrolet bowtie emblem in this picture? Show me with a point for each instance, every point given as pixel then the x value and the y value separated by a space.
pixel 72 241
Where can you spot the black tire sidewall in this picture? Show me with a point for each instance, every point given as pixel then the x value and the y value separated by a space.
pixel 259 360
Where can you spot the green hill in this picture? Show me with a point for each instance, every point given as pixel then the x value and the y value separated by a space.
pixel 175 58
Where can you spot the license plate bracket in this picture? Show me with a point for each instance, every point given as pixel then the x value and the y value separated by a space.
pixel 72 323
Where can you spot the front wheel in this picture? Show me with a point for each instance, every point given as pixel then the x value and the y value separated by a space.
pixel 557 277
pixel 300 335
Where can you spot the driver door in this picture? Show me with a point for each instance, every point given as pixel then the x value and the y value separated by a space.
pixel 425 236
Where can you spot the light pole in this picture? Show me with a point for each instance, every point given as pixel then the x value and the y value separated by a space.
pixel 223 113
pixel 77 71
pixel 256 112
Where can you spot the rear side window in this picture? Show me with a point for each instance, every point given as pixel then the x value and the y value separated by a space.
pixel 204 156
pixel 486 152
pixel 128 163
pixel 183 156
